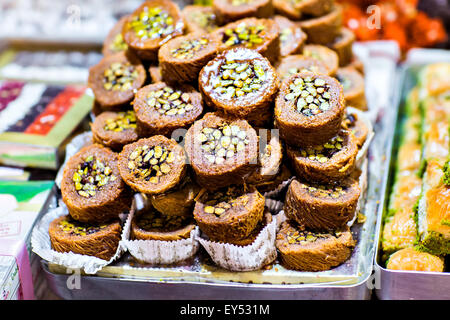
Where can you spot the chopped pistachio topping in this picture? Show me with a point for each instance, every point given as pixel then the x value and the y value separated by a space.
pixel 154 220
pixel 240 2
pixel 312 54
pixel 286 35
pixel 152 23
pixel 188 48
pixel 446 177
pixel 323 191
pixel 91 176
pixel 205 20
pixel 118 44
pixel 123 121
pixel 294 70
pixel 305 237
pixel 219 144
pixel 150 163
pixel 243 34
pixel 119 76
pixel 238 78
pixel 170 102
pixel 221 201
pixel 74 227
pixel 323 153
pixel 310 96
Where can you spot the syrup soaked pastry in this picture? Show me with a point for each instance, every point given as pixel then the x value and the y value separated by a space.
pixel 324 54
pixel 161 108
pixel 296 63
pixel 98 240
pixel 150 26
pixel 152 165
pixel 357 126
pixel 199 19
pixel 315 8
pixel 305 250
pixel 322 207
pixel 229 214
pixel 114 129
pixel 354 87
pixel 92 188
pixel 222 151
pixel 287 8
pixel 150 224
pixel 182 58
pixel 261 35
pixel 292 38
pixel 412 259
pixel 342 45
pixel 331 161
pixel 114 41
pixel 309 109
pixel 115 79
pixel 232 10
pixel 240 83
pixel 323 29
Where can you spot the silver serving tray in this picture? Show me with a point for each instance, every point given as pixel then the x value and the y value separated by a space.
pixel 395 284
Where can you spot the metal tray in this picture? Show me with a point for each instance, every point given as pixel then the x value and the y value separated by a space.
pixel 395 284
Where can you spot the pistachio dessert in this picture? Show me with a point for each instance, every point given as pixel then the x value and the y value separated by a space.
pixel 287 8
pixel 114 129
pixel 292 38
pixel 328 162
pixel 241 83
pixel 324 29
pixel 150 224
pixel 222 151
pixel 151 25
pixel 114 41
pixel 357 126
pixel 354 87
pixel 182 58
pixel 232 10
pixel 92 239
pixel 315 8
pixel 199 19
pixel 342 45
pixel 229 214
pixel 161 108
pixel 115 79
pixel 152 165
pixel 261 35
pixel 305 250
pixel 324 54
pixel 92 188
pixel 309 109
pixel 297 63
pixel 322 207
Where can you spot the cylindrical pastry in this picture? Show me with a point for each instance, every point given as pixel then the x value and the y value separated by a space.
pixel 357 126
pixel 153 225
pixel 150 26
pixel 331 161
pixel 324 54
pixel 199 18
pixel 309 109
pixel 261 35
pixel 98 240
pixel 292 38
pixel 222 151
pixel 309 251
pixel 182 58
pixel 92 188
pixel 231 10
pixel 114 129
pixel 296 63
pixel 114 41
pixel 287 8
pixel 354 87
pixel 315 8
pixel 115 78
pixel 229 214
pixel 241 83
pixel 342 45
pixel 161 108
pixel 322 207
pixel 152 165
pixel 324 29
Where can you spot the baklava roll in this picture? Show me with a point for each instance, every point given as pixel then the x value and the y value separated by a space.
pixel 114 41
pixel 292 38
pixel 231 10
pixel 354 87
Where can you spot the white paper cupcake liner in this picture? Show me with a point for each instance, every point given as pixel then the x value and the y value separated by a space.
pixel 73 147
pixel 41 245
pixel 275 194
pixel 273 205
pixel 156 251
pixel 252 257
